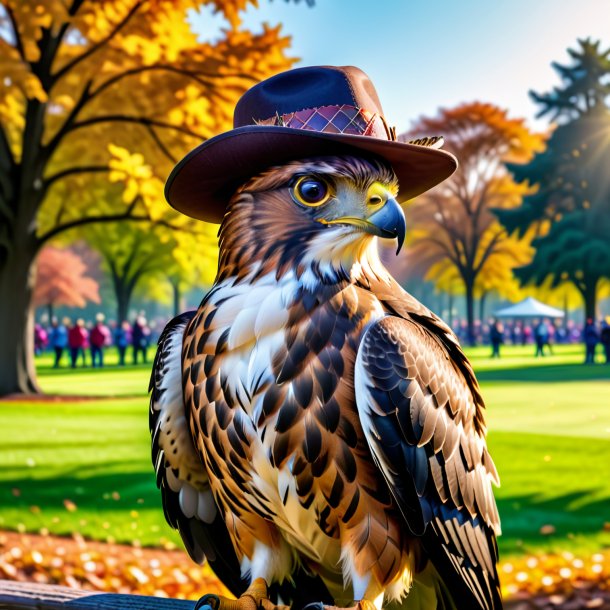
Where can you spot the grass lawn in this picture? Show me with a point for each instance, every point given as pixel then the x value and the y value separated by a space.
pixel 112 380
pixel 85 465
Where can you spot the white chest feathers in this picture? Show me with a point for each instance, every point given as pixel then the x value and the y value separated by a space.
pixel 255 317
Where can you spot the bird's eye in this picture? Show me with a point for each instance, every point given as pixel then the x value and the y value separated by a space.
pixel 310 191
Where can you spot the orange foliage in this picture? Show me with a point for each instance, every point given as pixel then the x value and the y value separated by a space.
pixel 107 95
pixel 62 280
pixel 455 238
pixel 544 582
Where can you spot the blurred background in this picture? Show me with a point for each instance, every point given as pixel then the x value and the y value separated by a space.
pixel 100 99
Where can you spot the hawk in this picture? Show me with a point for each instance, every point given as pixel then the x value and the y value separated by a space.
pixel 316 429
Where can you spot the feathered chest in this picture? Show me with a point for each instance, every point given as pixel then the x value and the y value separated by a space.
pixel 275 349
pixel 268 375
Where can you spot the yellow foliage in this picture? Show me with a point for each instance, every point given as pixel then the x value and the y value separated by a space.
pixel 117 93
pixel 455 240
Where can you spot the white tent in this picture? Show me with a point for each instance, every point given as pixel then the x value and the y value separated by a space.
pixel 529 308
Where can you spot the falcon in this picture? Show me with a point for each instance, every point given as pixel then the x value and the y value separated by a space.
pixel 317 433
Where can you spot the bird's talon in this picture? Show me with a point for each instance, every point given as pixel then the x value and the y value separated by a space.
pixel 210 601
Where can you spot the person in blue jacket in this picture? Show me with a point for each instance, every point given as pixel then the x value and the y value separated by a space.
pixel 58 338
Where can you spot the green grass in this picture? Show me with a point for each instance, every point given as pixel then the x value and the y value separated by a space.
pixel 111 380
pixel 549 422
pixel 95 454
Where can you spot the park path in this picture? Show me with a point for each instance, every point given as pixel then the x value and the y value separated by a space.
pixel 553 582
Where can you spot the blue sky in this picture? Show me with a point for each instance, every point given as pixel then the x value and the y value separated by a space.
pixel 424 54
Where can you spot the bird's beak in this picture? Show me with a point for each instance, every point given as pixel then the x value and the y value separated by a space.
pixel 390 220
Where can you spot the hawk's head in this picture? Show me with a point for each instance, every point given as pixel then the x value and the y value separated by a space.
pixel 322 214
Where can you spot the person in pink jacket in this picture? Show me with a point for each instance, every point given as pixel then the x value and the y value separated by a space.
pixel 99 338
pixel 77 340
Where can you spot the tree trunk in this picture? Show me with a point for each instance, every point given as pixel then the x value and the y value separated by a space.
pixel 50 312
pixel 469 286
pixel 590 299
pixel 123 298
pixel 450 305
pixel 482 301
pixel 177 298
pixel 17 276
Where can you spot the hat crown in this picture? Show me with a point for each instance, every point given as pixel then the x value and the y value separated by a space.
pixel 301 88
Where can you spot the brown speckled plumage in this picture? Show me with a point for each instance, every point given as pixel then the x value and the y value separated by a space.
pixel 337 418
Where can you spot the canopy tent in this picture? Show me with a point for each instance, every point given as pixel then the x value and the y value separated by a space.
pixel 529 308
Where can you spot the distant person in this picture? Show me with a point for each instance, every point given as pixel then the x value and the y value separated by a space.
pixel 517 333
pixel 590 338
pixel 496 337
pixel 604 338
pixel 58 338
pixel 561 334
pixel 140 334
pixel 99 338
pixel 122 338
pixel 41 338
pixel 527 335
pixel 77 340
pixel 541 336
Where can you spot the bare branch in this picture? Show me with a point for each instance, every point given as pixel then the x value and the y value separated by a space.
pixel 5 209
pixel 99 44
pixel 125 216
pixel 18 41
pixel 119 118
pixel 75 7
pixel 488 251
pixel 451 254
pixel 197 76
pixel 161 145
pixel 64 129
pixel 74 170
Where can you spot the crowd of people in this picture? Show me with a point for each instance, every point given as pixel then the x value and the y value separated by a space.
pixel 544 333
pixel 77 338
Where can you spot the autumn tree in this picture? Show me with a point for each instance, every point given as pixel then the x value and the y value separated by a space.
pixel 453 229
pixel 62 279
pixel 92 87
pixel 570 208
pixel 193 263
pixel 140 256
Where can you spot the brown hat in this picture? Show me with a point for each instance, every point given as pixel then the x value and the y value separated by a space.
pixel 306 112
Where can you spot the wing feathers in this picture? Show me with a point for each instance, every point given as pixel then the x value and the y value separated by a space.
pixel 423 423
pixel 188 503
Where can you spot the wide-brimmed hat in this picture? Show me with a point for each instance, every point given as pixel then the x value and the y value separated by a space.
pixel 305 112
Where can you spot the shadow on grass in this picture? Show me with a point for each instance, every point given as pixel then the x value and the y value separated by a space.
pixel 548 373
pixel 522 516
pixel 574 514
pixel 90 492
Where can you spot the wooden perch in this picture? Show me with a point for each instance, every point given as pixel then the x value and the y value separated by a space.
pixel 27 595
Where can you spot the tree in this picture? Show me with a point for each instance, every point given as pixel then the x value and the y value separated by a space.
pixel 570 209
pixel 453 230
pixel 194 263
pixel 92 88
pixel 142 256
pixel 62 279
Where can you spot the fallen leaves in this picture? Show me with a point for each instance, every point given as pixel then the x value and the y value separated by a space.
pixel 82 564
pixel 561 582
pixel 544 582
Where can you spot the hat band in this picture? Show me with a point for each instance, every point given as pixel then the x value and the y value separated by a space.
pixel 343 119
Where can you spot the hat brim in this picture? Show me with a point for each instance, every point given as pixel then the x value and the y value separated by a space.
pixel 202 183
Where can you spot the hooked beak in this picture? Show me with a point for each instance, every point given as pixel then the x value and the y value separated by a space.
pixel 390 220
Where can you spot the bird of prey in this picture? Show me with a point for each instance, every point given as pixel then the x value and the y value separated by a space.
pixel 313 416
pixel 317 433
